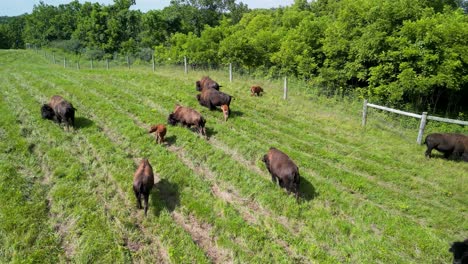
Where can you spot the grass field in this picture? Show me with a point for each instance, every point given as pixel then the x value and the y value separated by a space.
pixel 368 195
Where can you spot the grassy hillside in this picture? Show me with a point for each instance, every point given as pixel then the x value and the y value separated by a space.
pixel 368 195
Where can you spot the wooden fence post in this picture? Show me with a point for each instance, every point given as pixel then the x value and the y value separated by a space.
pixel 422 126
pixel 285 93
pixel 230 72
pixel 64 62
pixel 53 57
pixel 78 65
pixel 364 113
pixel 154 63
pixel 185 64
pixel 128 62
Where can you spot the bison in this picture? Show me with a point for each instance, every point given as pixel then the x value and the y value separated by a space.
pixel 211 98
pixel 47 112
pixel 160 130
pixel 187 117
pixel 206 82
pixel 63 110
pixel 283 169
pixel 143 181
pixel 460 252
pixel 256 90
pixel 225 109
pixel 448 144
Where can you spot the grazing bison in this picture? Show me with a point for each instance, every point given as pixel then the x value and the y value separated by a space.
pixel 460 252
pixel 206 82
pixel 187 117
pixel 211 98
pixel 47 112
pixel 63 110
pixel 283 169
pixel 143 181
pixel 448 143
pixel 256 90
pixel 160 130
pixel 225 109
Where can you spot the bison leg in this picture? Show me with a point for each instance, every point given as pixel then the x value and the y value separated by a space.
pixel 146 197
pixel 138 197
pixel 428 152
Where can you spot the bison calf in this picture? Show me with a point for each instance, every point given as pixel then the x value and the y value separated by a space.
pixel 283 169
pixel 63 110
pixel 460 252
pixel 256 90
pixel 448 144
pixel 160 130
pixel 143 181
pixel 187 117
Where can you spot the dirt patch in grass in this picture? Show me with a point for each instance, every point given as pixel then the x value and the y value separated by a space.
pixel 200 233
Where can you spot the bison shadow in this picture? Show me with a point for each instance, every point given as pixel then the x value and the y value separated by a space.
pixel 83 122
pixel 235 113
pixel 307 191
pixel 171 140
pixel 166 195
pixel 210 132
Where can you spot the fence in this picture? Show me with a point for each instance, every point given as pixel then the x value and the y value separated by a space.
pixel 127 61
pixel 424 117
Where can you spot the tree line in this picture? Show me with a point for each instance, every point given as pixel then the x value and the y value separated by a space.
pixel 411 54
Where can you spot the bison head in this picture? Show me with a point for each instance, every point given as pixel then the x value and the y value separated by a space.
pixel 47 112
pixel 171 119
pixel 460 252
pixel 198 86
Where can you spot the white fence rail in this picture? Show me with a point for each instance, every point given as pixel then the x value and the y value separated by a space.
pixel 424 117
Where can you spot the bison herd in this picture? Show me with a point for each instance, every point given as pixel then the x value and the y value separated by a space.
pixel 281 168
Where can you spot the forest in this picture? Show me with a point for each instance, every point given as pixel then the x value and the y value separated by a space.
pixel 409 54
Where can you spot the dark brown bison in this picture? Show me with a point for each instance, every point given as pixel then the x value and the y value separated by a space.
pixel 256 90
pixel 448 143
pixel 47 112
pixel 143 181
pixel 63 110
pixel 283 169
pixel 187 117
pixel 225 109
pixel 206 82
pixel 460 252
pixel 212 98
pixel 160 132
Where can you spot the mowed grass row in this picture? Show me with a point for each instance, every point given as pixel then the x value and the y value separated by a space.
pixel 255 242
pixel 127 99
pixel 357 218
pixel 143 111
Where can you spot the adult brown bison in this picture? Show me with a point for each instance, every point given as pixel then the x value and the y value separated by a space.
pixel 160 132
pixel 212 98
pixel 460 252
pixel 283 169
pixel 206 82
pixel 447 143
pixel 63 110
pixel 256 90
pixel 187 117
pixel 143 181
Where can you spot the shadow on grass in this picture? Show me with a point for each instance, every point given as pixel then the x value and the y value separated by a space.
pixel 235 113
pixel 165 196
pixel 307 190
pixel 83 122
pixel 170 140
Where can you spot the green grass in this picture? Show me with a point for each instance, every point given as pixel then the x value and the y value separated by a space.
pixel 369 194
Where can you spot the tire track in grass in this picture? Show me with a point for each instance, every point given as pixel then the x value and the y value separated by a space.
pixel 161 255
pixel 211 249
pixel 247 215
pixel 383 184
pixel 15 102
pixel 116 105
